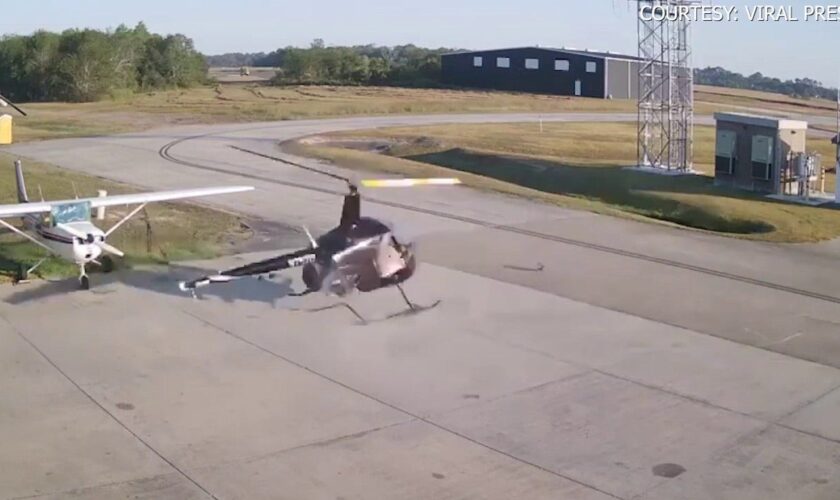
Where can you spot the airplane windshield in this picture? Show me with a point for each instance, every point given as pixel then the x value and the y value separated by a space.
pixel 70 212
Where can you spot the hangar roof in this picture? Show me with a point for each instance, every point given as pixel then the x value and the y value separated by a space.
pixel 582 52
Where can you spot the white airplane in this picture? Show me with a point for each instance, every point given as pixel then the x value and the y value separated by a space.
pixel 64 227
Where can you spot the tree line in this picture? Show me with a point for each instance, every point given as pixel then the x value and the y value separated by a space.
pixel 404 65
pixel 409 65
pixel 799 87
pixel 86 65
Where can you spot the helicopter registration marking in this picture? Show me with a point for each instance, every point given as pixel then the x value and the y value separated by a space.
pixel 300 261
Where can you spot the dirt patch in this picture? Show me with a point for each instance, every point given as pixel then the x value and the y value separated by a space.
pixel 387 146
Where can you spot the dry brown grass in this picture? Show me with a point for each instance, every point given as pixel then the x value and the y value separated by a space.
pixel 577 165
pixel 238 103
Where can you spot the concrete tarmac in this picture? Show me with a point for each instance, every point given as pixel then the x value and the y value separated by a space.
pixel 572 356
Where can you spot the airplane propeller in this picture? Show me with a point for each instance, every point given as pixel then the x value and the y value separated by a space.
pixel 86 237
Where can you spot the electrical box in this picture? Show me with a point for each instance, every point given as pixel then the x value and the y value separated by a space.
pixel 760 153
pixel 5 129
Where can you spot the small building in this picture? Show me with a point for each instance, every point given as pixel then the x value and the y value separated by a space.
pixel 762 154
pixel 546 71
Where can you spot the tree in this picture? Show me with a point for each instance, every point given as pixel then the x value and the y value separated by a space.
pixel 84 65
pixel 86 69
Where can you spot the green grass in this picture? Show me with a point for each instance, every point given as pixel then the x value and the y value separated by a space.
pixel 579 165
pixel 178 230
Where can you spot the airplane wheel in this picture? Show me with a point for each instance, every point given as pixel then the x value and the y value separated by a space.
pixel 85 282
pixel 107 264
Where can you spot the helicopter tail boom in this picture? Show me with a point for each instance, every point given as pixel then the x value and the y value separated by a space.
pixel 287 261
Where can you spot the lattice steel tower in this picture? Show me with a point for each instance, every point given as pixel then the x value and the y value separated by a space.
pixel 666 86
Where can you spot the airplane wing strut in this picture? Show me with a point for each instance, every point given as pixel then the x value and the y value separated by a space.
pixel 28 237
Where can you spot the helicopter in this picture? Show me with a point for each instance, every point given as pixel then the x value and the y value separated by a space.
pixel 360 254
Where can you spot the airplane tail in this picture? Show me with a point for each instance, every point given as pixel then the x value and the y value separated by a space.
pixel 21 185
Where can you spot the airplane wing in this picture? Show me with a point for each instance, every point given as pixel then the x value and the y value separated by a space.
pixel 20 209
pixel 130 199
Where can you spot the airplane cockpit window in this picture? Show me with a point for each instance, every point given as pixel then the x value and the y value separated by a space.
pixel 70 212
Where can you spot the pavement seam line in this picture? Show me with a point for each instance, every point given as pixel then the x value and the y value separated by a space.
pixel 82 489
pixel 323 442
pixel 678 395
pixel 636 315
pixel 110 414
pixel 401 410
pixel 807 404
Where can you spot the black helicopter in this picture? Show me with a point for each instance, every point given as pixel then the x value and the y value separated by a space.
pixel 360 254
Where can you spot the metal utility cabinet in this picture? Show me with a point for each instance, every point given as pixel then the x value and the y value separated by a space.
pixel 763 154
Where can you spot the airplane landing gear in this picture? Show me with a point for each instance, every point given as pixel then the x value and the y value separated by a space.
pixel 84 281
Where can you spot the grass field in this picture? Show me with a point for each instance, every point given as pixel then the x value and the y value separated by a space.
pixel 248 102
pixel 765 100
pixel 240 103
pixel 178 231
pixel 580 166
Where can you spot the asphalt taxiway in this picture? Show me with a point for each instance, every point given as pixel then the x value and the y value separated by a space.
pixel 572 356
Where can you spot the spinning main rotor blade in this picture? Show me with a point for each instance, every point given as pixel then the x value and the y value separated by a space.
pixel 4 102
pixel 377 183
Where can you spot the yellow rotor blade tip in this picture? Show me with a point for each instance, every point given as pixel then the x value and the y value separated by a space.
pixel 409 182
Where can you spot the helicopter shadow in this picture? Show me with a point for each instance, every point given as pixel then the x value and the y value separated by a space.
pixel 160 280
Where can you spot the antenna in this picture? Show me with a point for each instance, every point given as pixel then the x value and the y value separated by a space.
pixel 40 192
pixel 75 193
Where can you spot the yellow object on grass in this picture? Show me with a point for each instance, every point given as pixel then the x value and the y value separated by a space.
pixel 5 129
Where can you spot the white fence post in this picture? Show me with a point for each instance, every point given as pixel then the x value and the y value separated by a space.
pixel 100 211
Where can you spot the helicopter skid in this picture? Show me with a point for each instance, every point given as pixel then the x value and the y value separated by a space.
pixel 412 310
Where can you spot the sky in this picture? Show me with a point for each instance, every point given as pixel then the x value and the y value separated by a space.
pixel 783 49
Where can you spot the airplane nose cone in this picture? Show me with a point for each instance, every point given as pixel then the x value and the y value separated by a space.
pixel 88 252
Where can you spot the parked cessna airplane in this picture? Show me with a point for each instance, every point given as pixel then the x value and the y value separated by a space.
pixel 64 228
